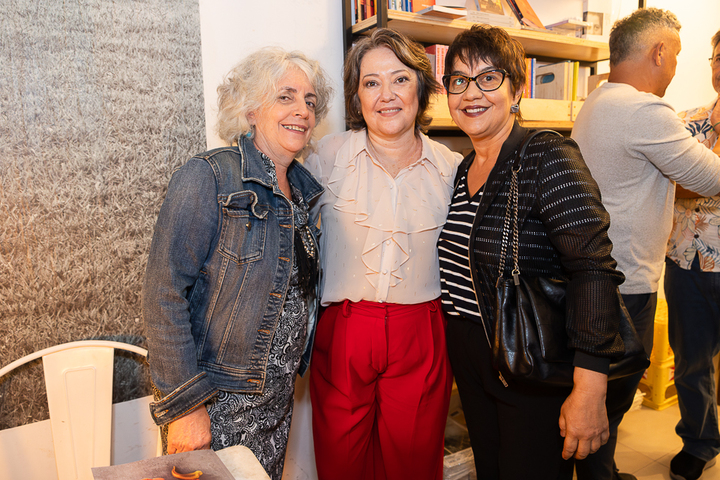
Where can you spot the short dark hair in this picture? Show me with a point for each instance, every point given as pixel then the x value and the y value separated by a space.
pixel 492 45
pixel 410 53
pixel 631 34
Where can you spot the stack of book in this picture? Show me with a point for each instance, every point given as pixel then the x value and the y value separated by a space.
pixel 436 54
pixel 490 19
pixel 364 9
pixel 446 12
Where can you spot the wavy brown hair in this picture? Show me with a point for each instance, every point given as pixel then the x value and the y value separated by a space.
pixel 410 53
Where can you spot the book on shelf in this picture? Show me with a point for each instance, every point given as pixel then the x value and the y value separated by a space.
pixel 574 85
pixel 364 9
pixel 525 14
pixel 489 12
pixel 445 12
pixel 451 3
pixel 360 9
pixel 436 53
pixel 527 89
pixel 580 91
pixel 530 66
pixel 418 5
pixel 487 6
pixel 490 19
pixel 572 27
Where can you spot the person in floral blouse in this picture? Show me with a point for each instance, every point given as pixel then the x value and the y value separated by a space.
pixel 692 290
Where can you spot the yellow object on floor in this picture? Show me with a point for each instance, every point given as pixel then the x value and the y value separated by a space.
pixel 658 382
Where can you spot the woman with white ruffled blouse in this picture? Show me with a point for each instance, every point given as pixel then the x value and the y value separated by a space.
pixel 380 377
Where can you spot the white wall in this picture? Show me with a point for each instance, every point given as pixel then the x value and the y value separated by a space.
pixel 691 86
pixel 552 11
pixel 231 29
pixel 700 20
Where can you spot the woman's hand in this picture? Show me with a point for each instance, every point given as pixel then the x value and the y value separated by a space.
pixel 191 432
pixel 583 417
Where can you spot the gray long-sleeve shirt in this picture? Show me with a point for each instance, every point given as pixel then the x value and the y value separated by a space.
pixel 637 148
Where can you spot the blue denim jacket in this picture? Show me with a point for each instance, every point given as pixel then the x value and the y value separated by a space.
pixel 217 275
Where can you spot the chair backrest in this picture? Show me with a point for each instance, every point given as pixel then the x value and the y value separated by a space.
pixel 78 381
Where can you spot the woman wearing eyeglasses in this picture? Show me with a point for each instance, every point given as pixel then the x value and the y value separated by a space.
pixel 380 378
pixel 518 431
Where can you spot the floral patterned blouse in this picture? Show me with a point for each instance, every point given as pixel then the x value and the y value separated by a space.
pixel 696 221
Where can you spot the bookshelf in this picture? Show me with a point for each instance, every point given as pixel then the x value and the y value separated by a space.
pixel 538 113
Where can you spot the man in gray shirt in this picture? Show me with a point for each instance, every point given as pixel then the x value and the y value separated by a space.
pixel 637 148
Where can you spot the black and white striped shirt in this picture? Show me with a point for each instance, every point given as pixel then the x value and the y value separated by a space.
pixel 458 294
pixel 563 234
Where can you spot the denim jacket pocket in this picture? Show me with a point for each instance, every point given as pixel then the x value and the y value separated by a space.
pixel 244 227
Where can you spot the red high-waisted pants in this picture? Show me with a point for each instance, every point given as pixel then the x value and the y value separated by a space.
pixel 380 386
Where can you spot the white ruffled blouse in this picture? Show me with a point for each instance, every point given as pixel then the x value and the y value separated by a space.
pixel 379 233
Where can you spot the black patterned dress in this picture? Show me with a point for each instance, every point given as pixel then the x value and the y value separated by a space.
pixel 261 422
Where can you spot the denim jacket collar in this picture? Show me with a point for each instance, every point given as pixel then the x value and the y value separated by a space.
pixel 253 171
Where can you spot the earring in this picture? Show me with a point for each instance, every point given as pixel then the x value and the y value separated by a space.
pixel 514 108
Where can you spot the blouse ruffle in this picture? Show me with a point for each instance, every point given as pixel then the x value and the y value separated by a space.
pixel 391 210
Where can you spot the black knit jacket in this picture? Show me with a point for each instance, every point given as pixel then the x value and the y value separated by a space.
pixel 563 234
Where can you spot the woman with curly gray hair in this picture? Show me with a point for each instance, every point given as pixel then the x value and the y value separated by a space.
pixel 229 294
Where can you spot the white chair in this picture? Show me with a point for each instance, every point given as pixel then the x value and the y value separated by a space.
pixel 78 381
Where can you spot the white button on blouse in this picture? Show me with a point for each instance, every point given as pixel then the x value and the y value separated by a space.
pixel 371 222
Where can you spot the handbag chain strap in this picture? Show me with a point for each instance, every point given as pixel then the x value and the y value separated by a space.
pixel 511 212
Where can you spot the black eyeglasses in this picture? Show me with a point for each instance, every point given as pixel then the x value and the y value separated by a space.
pixel 486 81
pixel 715 62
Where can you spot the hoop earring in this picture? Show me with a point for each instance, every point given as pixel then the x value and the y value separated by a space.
pixel 514 108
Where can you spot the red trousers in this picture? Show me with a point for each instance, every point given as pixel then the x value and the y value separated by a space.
pixel 380 387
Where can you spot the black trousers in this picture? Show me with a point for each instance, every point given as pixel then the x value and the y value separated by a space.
pixel 621 392
pixel 514 430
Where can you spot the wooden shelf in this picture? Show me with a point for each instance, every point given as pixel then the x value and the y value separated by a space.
pixel 536 112
pixel 432 29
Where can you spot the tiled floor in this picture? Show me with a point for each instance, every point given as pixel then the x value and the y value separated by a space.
pixel 647 442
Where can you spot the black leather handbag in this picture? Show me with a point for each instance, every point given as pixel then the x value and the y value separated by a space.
pixel 530 343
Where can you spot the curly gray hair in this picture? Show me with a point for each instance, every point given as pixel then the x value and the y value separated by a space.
pixel 632 34
pixel 252 83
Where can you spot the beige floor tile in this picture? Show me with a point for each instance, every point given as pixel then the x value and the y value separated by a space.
pixel 665 460
pixel 629 460
pixel 654 471
pixel 712 473
pixel 651 432
pixel 647 442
